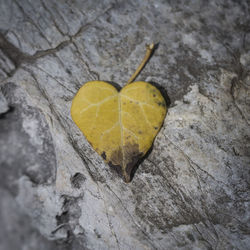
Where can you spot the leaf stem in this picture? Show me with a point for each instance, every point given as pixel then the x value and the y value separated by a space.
pixel 149 51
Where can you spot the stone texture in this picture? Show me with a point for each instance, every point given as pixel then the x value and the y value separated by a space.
pixel 192 190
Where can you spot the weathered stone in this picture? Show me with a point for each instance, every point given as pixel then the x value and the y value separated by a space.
pixel 192 189
pixel 3 105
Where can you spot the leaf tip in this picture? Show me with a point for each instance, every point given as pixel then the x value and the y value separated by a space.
pixel 127 178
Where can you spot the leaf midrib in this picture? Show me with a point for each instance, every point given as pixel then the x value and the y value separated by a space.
pixel 121 129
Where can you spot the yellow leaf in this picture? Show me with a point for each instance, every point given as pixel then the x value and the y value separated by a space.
pixel 120 126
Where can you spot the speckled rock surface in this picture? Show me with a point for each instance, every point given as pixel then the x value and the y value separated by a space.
pixel 192 190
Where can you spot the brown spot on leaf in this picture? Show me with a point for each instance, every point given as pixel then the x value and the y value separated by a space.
pixel 131 155
pixel 161 104
pixel 116 162
pixel 116 157
pixel 103 155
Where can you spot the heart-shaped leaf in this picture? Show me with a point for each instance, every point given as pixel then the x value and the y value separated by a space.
pixel 120 126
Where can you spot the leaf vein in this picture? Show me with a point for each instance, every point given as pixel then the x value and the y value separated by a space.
pixel 132 133
pixel 134 100
pixel 107 131
pixel 145 116
pixel 97 104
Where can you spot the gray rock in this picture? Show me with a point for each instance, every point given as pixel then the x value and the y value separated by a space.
pixel 3 104
pixel 17 231
pixel 191 191
pixel 26 144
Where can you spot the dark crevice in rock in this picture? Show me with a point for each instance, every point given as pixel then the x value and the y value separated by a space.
pixel 63 218
pixel 18 57
pixel 67 220
pixel 12 52
pixel 235 83
pixel 42 53
pixel 5 114
pixel 77 180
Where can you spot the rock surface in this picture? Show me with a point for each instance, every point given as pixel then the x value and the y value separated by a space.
pixel 192 190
